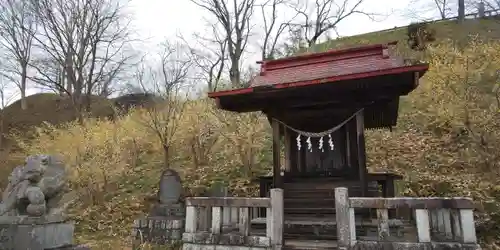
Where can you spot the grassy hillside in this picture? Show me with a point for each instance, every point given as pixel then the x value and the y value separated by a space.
pixel 51 108
pixel 56 110
pixel 487 28
pixel 445 143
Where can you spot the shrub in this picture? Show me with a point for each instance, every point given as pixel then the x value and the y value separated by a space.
pixel 419 35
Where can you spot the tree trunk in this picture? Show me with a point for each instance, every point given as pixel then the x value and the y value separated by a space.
pixel 1 129
pixel 78 97
pixel 62 82
pixel 480 9
pixel 77 100
pixel 166 155
pixel 24 103
pixel 78 107
pixel 194 153
pixel 69 84
pixel 88 98
pixel 22 87
pixel 461 11
pixel 234 75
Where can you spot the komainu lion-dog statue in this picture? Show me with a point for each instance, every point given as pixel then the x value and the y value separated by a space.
pixel 36 189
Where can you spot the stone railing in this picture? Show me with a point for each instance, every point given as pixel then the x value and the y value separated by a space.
pixel 206 226
pixel 441 223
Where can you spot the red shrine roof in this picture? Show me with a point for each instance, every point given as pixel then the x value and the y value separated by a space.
pixel 327 67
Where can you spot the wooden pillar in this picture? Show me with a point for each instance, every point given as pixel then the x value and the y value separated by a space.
pixel 348 159
pixel 276 219
pixel 301 159
pixel 288 147
pixel 352 148
pixel 344 214
pixel 277 178
pixel 360 141
pixel 291 152
pixel 416 79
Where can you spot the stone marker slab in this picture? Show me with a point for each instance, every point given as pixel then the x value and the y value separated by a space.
pixel 170 189
pixel 218 190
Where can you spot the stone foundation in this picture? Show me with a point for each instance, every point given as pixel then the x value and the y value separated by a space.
pixel 73 247
pixel 35 233
pixel 168 210
pixel 190 246
pixel 158 230
pixel 206 241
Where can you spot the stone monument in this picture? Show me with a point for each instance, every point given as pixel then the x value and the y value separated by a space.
pixel 165 223
pixel 32 211
pixel 169 195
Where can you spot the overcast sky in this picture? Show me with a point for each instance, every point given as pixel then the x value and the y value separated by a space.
pixel 159 20
pixel 165 18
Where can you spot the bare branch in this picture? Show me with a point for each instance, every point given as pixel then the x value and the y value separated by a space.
pixel 235 23
pixel 270 19
pixel 417 9
pixel 442 6
pixel 324 15
pixel 6 97
pixel 86 42
pixel 17 26
pixel 489 4
pixel 209 57
pixel 167 79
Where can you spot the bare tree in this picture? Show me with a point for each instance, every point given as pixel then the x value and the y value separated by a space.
pixel 324 16
pixel 6 97
pixel 3 93
pixel 489 4
pixel 209 56
pixel 491 7
pixel 294 43
pixel 17 26
pixel 272 31
pixel 3 87
pixel 443 7
pixel 429 10
pixel 234 19
pixel 87 39
pixel 168 79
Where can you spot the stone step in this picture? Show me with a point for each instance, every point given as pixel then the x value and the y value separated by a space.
pixel 311 211
pixel 310 244
pixel 304 201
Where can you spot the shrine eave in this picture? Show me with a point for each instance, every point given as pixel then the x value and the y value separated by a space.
pixel 421 68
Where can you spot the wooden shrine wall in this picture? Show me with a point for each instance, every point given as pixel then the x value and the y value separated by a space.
pixel 339 162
